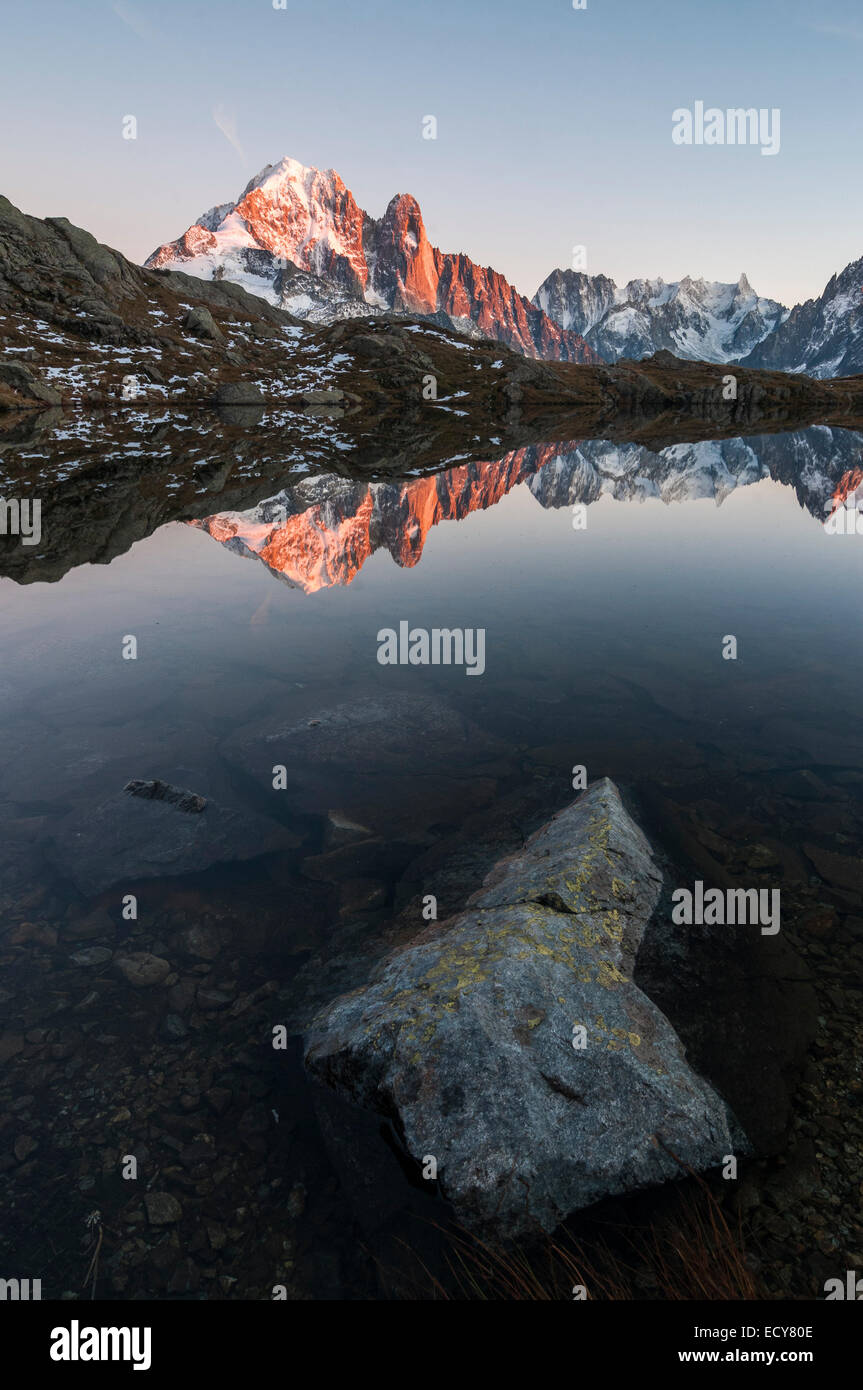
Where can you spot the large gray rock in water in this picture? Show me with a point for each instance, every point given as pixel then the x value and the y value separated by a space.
pixel 465 1036
pixel 151 830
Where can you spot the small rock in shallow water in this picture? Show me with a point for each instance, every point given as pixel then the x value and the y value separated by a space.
pixel 142 970
pixel 341 830
pixel 174 1028
pixel 162 1209
pixel 33 933
pixel 201 942
pixel 843 873
pixel 361 895
pixel 212 999
pixel 25 1145
pixel 91 956
pixel 95 924
pixel 186 801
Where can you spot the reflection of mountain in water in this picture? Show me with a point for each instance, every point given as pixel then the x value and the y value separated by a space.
pixel 321 532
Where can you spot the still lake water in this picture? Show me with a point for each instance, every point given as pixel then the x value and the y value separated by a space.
pixel 603 647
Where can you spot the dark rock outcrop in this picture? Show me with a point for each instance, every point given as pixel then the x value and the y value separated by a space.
pixel 156 790
pixel 22 380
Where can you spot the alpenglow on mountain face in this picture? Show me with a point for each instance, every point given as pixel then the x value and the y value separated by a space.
pixel 696 319
pixel 298 238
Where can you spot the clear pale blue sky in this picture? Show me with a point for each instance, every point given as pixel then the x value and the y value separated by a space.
pixel 554 124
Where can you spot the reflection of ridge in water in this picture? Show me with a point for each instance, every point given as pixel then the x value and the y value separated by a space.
pixel 321 532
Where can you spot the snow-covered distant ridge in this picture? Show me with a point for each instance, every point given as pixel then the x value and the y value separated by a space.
pixel 702 320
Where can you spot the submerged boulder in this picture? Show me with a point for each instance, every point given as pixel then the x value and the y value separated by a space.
pixel 511 1044
pixel 353 755
pixel 152 829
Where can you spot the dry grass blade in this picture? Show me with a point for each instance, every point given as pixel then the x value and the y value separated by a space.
pixel 690 1253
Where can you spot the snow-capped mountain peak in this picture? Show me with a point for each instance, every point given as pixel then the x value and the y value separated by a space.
pixel 297 237
pixel 288 215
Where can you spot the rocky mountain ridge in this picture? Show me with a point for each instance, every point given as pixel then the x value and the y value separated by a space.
pixel 298 238
pixel 824 336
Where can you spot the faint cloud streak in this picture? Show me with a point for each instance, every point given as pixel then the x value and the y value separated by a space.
pixel 227 122
pixel 837 31
pixel 137 22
